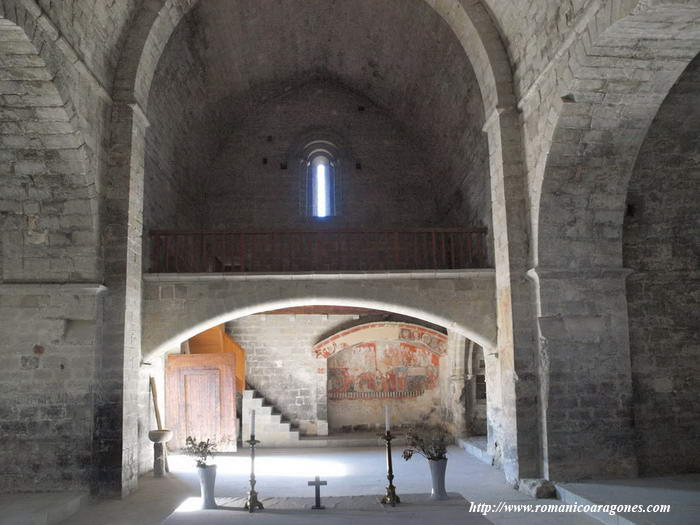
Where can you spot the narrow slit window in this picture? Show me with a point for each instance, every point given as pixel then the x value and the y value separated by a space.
pixel 322 185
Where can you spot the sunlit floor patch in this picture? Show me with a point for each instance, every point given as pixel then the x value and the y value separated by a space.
pixel 190 505
pixel 267 466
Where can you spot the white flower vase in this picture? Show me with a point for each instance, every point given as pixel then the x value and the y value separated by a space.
pixel 207 479
pixel 437 473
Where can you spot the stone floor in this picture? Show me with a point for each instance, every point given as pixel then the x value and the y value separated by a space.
pixel 40 509
pixel 282 477
pixel 682 493
pixel 415 509
pixel 284 473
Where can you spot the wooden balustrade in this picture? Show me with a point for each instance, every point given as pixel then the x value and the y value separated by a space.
pixel 317 250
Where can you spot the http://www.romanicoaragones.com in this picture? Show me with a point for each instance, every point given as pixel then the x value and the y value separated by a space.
pixel 540 508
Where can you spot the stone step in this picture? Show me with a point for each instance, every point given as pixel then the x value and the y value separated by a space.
pixel 271 428
pixel 40 509
pixel 476 446
pixel 261 413
pixel 253 402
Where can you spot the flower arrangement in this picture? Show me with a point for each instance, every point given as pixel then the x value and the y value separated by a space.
pixel 200 450
pixel 429 442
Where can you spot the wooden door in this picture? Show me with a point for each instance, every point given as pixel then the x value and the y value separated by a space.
pixel 200 399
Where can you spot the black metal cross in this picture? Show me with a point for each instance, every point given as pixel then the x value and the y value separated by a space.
pixel 317 483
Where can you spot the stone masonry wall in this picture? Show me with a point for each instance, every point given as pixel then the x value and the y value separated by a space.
pixel 662 248
pixel 248 189
pixel 180 139
pixel 281 365
pixel 47 384
pixel 47 204
pixel 244 67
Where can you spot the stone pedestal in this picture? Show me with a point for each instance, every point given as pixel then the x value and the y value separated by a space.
pixel 158 460
pixel 159 438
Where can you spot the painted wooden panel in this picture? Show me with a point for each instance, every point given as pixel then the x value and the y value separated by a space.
pixel 202 401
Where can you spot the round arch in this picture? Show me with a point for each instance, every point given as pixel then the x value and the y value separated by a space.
pixel 184 334
pixel 174 311
pixel 470 22
pixel 616 92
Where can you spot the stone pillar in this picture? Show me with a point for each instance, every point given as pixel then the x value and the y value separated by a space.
pixel 456 404
pixel 158 460
pixel 469 386
pixel 322 398
pixel 586 374
pixel 116 442
pixel 513 413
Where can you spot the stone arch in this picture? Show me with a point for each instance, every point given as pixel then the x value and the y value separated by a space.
pixel 46 39
pixel 49 204
pixel 470 22
pixel 167 322
pixel 70 75
pixel 619 80
pixel 619 84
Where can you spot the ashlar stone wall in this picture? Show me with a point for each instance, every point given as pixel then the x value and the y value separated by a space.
pixel 180 138
pixel 281 365
pixel 662 249
pixel 381 179
pixel 47 201
pixel 47 376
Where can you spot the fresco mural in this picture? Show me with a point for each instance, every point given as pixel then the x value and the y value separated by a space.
pixel 382 369
pixel 382 360
pixel 410 333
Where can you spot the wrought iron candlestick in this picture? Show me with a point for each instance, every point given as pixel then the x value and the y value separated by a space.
pixel 391 498
pixel 251 502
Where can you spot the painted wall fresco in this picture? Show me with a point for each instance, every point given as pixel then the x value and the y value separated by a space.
pixel 382 370
pixel 418 336
pixel 383 364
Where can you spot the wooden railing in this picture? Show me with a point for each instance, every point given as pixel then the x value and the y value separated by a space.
pixel 316 250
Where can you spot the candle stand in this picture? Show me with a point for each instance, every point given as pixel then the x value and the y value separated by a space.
pixel 252 503
pixel 390 498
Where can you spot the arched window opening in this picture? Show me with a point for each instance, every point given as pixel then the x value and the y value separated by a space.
pixel 321 186
pixel 321 174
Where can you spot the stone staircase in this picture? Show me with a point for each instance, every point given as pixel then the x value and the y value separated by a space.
pixel 270 428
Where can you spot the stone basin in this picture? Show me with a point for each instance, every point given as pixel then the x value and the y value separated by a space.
pixel 160 436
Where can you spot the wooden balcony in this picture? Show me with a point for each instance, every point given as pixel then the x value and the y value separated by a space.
pixel 350 250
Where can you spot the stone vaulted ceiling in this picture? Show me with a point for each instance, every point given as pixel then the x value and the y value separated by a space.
pixel 228 57
pixel 400 53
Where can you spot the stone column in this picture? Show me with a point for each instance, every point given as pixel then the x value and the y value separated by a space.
pixel 586 370
pixel 514 415
pixel 456 398
pixel 116 442
pixel 469 386
pixel 322 397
